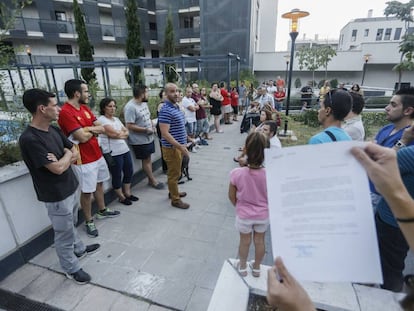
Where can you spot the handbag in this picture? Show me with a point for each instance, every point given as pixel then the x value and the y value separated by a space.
pixel 108 156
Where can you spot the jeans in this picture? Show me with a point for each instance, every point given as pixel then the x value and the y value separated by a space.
pixel 64 216
pixel 393 249
pixel 123 164
pixel 190 127
pixel 173 157
pixel 202 127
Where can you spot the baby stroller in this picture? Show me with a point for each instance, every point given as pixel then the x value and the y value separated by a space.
pixel 249 118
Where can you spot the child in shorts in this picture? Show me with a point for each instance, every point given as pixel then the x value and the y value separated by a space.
pixel 248 193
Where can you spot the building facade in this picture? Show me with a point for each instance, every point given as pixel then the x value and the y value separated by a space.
pixel 201 27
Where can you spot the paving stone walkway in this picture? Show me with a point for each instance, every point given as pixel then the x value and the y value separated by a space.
pixel 154 256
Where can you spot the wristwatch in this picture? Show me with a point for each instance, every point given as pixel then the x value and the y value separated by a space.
pixel 399 144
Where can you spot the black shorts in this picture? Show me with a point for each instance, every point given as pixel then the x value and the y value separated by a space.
pixel 143 151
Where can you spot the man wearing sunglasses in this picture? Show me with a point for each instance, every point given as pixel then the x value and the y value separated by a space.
pixel 333 109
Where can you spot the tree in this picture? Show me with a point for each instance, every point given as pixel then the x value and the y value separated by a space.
pixel 9 10
pixel 169 49
pixel 85 47
pixel 326 53
pixel 403 12
pixel 313 58
pixel 134 47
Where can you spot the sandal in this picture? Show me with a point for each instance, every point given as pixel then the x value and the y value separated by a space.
pixel 242 272
pixel 158 186
pixel 255 272
pixel 125 201
pixel 132 198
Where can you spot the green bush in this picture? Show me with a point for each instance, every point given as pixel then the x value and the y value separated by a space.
pixel 9 153
pixel 308 117
pixel 373 121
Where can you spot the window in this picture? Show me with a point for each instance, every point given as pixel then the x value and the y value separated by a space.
pixel 155 54
pixel 397 33
pixel 366 32
pixel 354 35
pixel 64 49
pixel 379 34
pixel 187 22
pixel 60 16
pixel 153 26
pixel 387 34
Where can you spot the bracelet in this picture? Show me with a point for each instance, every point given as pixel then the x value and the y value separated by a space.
pixel 405 220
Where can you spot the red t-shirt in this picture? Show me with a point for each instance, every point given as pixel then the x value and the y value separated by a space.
pixel 226 97
pixel 234 99
pixel 72 119
pixel 279 95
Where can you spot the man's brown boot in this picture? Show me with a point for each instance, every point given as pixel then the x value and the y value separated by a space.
pixel 182 194
pixel 180 204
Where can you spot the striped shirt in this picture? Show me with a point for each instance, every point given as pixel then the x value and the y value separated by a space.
pixel 405 157
pixel 172 115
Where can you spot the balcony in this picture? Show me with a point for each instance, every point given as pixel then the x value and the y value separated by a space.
pixel 113 31
pixel 186 33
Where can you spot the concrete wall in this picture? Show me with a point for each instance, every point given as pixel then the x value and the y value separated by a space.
pixel 22 216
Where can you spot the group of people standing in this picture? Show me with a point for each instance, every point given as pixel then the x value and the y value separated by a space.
pixel 339 115
pixel 67 164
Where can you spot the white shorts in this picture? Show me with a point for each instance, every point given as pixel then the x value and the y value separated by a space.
pixel 91 173
pixel 249 225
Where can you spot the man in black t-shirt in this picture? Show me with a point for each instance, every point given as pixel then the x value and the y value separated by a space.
pixel 48 155
pixel 306 96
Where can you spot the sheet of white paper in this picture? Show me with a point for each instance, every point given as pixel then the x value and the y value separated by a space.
pixel 321 219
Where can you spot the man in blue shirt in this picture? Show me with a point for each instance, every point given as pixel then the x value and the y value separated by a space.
pixel 173 142
pixel 333 109
pixel 399 134
pixel 400 112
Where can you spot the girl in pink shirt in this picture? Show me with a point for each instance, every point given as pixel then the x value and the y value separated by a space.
pixel 247 192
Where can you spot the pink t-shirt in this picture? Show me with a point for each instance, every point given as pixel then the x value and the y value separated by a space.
pixel 251 193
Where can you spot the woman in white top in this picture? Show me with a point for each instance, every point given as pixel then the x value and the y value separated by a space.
pixel 113 141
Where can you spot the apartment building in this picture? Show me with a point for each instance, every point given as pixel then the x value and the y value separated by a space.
pixel 201 27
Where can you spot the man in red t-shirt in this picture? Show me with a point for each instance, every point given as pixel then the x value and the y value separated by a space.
pixel 226 103
pixel 80 125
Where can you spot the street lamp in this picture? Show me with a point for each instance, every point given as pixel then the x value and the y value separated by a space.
pixel 364 69
pixel 287 58
pixel 29 53
pixel 294 16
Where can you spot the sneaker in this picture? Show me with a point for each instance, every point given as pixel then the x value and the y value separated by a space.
pixel 80 277
pixel 107 213
pixel 90 249
pixel 91 229
pixel 180 204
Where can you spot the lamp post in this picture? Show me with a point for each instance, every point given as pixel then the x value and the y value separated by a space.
pixel 287 58
pixel 294 16
pixel 364 69
pixel 29 53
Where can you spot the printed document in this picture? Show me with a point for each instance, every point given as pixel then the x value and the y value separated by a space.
pixel 321 218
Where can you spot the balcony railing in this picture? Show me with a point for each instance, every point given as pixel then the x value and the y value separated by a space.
pixel 52 26
pixel 189 33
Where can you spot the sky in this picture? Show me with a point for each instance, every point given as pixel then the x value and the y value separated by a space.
pixel 326 18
